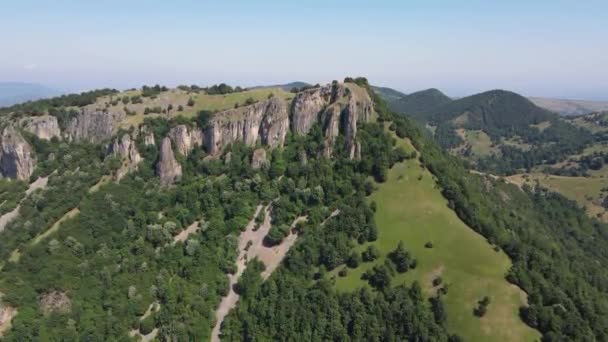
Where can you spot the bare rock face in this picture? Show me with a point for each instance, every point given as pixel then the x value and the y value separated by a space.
pixel 306 107
pixel 148 136
pixel 168 169
pixel 186 138
pixel 275 123
pixel 44 127
pixel 258 159
pixel 338 108
pixel 125 149
pixel 330 121
pixel 17 159
pixel 94 125
pixel 266 121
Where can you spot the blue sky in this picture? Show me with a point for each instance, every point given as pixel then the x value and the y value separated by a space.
pixel 543 48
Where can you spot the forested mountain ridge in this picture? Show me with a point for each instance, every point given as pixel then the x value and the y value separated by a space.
pixel 99 252
pixel 498 131
pixel 419 103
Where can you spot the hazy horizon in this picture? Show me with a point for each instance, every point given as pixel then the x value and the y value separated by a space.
pixel 545 49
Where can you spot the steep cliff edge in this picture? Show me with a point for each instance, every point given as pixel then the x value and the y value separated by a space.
pixel 185 138
pixel 266 121
pixel 94 125
pixel 337 107
pixel 44 127
pixel 125 149
pixel 17 159
pixel 168 169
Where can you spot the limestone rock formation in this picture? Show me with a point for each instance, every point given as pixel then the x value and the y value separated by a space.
pixel 148 136
pixel 125 149
pixel 258 159
pixel 186 138
pixel 168 169
pixel 17 159
pixel 275 123
pixel 266 121
pixel 337 107
pixel 44 127
pixel 306 107
pixel 94 125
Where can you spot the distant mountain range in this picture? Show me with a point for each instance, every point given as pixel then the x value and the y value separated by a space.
pixel 570 107
pixel 16 92
pixel 286 86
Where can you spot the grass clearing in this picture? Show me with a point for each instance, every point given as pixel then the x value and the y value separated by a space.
pixel 481 144
pixel 412 209
pixel 202 101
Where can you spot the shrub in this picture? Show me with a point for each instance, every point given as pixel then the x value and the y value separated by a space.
pixel 370 254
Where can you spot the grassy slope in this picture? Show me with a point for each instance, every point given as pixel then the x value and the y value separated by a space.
pixel 415 212
pixel 178 97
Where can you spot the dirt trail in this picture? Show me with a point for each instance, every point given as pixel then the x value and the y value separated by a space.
pixel 256 237
pixel 6 316
pixel 183 235
pixel 39 183
pixel 270 256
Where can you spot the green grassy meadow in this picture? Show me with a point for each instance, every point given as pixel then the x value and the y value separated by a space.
pixel 410 208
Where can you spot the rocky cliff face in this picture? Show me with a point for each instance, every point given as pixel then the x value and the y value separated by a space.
pixel 186 138
pixel 168 169
pixel 337 107
pixel 306 107
pixel 94 125
pixel 125 149
pixel 265 121
pixel 17 159
pixel 44 127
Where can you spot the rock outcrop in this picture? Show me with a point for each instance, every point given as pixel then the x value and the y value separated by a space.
pixel 168 169
pixel 94 125
pixel 258 159
pixel 44 127
pixel 306 107
pixel 125 149
pixel 17 159
pixel 186 138
pixel 266 121
pixel 337 107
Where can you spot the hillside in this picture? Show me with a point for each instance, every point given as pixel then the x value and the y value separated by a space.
pixel 420 103
pixel 202 213
pixel 460 258
pixel 570 107
pixel 501 131
pixel 388 94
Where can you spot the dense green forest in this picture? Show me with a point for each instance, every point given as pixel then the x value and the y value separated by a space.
pixel 418 104
pixel 543 137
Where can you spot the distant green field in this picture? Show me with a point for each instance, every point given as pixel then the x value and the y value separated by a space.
pixel 481 144
pixel 411 209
